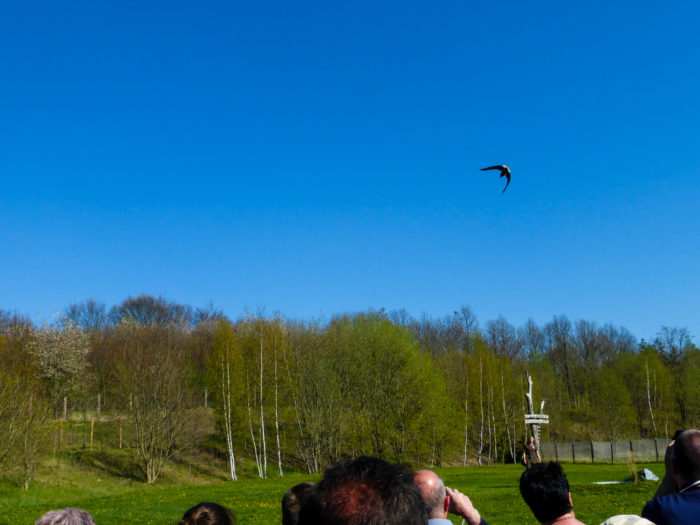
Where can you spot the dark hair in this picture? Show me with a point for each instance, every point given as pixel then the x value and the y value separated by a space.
pixel 364 491
pixel 208 514
pixel 291 502
pixel 686 452
pixel 545 489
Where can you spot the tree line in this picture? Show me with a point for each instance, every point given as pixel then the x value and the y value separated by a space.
pixel 270 394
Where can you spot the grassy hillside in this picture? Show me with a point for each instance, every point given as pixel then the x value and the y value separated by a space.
pixel 118 500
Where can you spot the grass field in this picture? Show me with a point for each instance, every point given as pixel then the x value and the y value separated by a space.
pixel 493 489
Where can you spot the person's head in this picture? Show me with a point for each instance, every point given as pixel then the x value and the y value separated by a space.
pixel 531 440
pixel 686 456
pixel 545 489
pixel 291 503
pixel 364 491
pixel 208 514
pixel 432 490
pixel 67 516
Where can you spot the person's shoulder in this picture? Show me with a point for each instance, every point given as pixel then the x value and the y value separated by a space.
pixel 673 508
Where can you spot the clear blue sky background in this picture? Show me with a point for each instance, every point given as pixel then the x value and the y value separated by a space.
pixel 313 158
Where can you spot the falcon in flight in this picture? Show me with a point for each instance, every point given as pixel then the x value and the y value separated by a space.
pixel 505 172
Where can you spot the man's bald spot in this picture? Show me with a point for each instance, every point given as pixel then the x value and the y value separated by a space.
pixel 432 490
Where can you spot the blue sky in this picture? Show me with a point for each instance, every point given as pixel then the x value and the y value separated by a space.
pixel 312 158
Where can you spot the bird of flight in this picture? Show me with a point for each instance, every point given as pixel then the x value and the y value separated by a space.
pixel 505 172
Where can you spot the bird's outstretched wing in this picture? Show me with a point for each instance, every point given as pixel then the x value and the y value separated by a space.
pixel 492 168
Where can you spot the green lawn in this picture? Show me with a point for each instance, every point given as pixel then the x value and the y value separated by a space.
pixel 493 489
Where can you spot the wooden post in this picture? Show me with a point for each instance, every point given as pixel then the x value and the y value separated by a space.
pixel 612 453
pixel 120 432
pixel 65 408
pixel 556 452
pixel 573 453
pixel 592 455
pixel 656 446
pixel 92 430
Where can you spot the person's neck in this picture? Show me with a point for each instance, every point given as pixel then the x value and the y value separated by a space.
pixel 563 518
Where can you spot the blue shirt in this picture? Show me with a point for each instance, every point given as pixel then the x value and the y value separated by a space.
pixel 674 509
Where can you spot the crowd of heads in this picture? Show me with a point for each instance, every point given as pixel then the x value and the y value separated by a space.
pixel 369 491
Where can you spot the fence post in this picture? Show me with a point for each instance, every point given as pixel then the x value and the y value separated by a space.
pixel 556 452
pixel 612 453
pixel 656 446
pixel 573 453
pixel 592 455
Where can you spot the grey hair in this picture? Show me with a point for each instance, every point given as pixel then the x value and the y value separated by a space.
pixel 435 500
pixel 67 516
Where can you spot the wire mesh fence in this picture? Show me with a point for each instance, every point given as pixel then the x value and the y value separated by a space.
pixel 605 451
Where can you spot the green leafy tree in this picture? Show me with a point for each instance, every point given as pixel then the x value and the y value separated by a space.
pixel 386 384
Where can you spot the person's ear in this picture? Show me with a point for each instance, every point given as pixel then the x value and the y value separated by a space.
pixel 447 504
pixel 571 502
pixel 674 467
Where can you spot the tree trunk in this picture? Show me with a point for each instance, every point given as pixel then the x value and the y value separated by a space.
pixel 651 411
pixel 277 422
pixel 226 392
pixel 466 421
pixel 511 448
pixel 481 407
pixel 263 442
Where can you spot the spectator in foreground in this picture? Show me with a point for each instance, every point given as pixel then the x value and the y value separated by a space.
pixel 67 516
pixel 441 500
pixel 364 491
pixel 545 489
pixel 208 514
pixel 291 502
pixel 677 500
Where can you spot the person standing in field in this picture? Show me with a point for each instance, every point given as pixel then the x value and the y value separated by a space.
pixel 531 455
